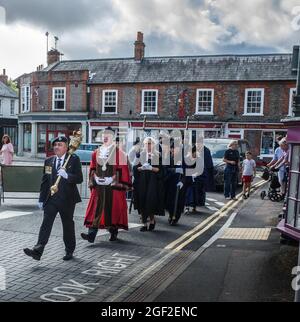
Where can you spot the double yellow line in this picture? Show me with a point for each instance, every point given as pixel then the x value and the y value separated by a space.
pixel 189 236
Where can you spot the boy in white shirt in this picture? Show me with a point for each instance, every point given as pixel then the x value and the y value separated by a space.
pixel 249 172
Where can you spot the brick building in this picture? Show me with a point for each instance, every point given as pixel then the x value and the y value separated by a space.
pixel 225 95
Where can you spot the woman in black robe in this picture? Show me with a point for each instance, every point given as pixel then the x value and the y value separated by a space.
pixel 148 184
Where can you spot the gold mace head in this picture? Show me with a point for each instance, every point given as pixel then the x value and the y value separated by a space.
pixel 54 189
pixel 75 141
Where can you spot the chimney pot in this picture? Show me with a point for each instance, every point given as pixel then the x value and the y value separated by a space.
pixel 53 56
pixel 139 47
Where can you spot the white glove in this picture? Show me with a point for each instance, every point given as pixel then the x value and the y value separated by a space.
pixel 147 166
pixel 180 184
pixel 41 205
pixel 108 180
pixel 179 170
pixel 99 181
pixel 62 173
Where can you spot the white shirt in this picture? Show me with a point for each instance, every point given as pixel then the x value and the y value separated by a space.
pixel 248 167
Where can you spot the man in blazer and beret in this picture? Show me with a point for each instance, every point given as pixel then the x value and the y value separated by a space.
pixel 62 202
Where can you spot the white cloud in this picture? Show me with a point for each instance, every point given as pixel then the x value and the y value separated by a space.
pixel 175 25
pixel 23 48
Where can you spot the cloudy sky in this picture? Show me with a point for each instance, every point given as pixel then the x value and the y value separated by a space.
pixel 107 28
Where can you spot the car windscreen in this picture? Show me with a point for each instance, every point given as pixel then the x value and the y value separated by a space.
pixel 217 150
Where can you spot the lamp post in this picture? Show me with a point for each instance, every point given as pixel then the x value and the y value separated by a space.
pixel 296 67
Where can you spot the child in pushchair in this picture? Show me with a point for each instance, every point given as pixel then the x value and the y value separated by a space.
pixel 273 192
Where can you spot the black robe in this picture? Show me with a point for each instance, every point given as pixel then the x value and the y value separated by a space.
pixel 149 188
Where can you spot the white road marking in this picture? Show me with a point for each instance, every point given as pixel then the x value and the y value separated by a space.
pixel 210 199
pixel 11 214
pixel 219 203
pixel 207 204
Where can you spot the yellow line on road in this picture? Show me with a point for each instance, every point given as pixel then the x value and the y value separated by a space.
pixel 210 221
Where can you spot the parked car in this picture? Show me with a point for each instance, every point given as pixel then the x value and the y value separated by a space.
pixel 85 151
pixel 217 148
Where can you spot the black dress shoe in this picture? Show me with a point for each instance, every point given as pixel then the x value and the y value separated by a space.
pixel 68 256
pixel 144 228
pixel 32 253
pixel 113 235
pixel 174 222
pixel 152 226
pixel 87 237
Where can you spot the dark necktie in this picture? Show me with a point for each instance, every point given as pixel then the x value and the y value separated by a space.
pixel 58 164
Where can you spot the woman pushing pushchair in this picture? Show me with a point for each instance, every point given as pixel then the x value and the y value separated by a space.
pixel 279 164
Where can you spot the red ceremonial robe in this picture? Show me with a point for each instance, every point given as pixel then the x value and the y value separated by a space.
pixel 107 206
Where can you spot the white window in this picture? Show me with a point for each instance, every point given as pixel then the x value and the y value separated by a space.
pixel 205 102
pixel 1 109
pixel 12 107
pixel 59 98
pixel 254 101
pixel 25 99
pixel 292 93
pixel 149 101
pixel 109 102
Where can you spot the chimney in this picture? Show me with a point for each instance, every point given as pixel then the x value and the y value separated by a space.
pixel 53 56
pixel 139 47
pixel 4 77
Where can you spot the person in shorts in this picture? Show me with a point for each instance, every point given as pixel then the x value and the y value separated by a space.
pixel 249 172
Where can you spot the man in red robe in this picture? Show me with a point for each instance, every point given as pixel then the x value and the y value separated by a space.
pixel 109 179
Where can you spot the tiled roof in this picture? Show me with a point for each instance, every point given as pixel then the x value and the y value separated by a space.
pixel 183 69
pixel 6 91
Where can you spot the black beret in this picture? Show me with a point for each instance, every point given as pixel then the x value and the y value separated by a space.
pixel 60 139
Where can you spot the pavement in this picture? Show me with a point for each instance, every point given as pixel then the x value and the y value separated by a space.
pixel 226 251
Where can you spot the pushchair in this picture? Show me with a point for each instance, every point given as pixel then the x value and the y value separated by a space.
pixel 273 192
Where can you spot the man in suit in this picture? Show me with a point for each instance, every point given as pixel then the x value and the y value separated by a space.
pixel 62 202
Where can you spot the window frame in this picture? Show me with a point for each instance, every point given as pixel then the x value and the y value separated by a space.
pixel 1 107
pixel 290 113
pixel 25 99
pixel 212 90
pixel 55 100
pixel 14 106
pixel 247 90
pixel 103 101
pixel 156 102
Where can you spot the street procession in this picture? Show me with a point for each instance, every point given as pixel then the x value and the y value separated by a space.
pixel 160 176
pixel 149 155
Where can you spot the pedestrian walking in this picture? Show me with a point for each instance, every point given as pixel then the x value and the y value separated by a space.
pixel 62 202
pixel 148 184
pixel 232 168
pixel 7 150
pixel 249 172
pixel 109 179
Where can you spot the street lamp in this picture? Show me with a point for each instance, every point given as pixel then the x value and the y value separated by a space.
pixel 296 70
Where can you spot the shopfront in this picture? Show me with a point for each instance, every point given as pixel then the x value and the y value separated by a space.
pixel 37 133
pixel 290 225
pixel 133 129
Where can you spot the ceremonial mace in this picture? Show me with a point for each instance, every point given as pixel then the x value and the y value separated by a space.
pixel 73 146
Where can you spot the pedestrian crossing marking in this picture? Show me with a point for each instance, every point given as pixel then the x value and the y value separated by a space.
pixel 220 203
pixel 210 199
pixel 247 233
pixel 11 214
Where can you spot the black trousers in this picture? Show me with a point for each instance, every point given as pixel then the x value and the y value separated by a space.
pixel 67 214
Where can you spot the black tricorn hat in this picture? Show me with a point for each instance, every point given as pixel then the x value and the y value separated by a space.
pixel 108 130
pixel 60 139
